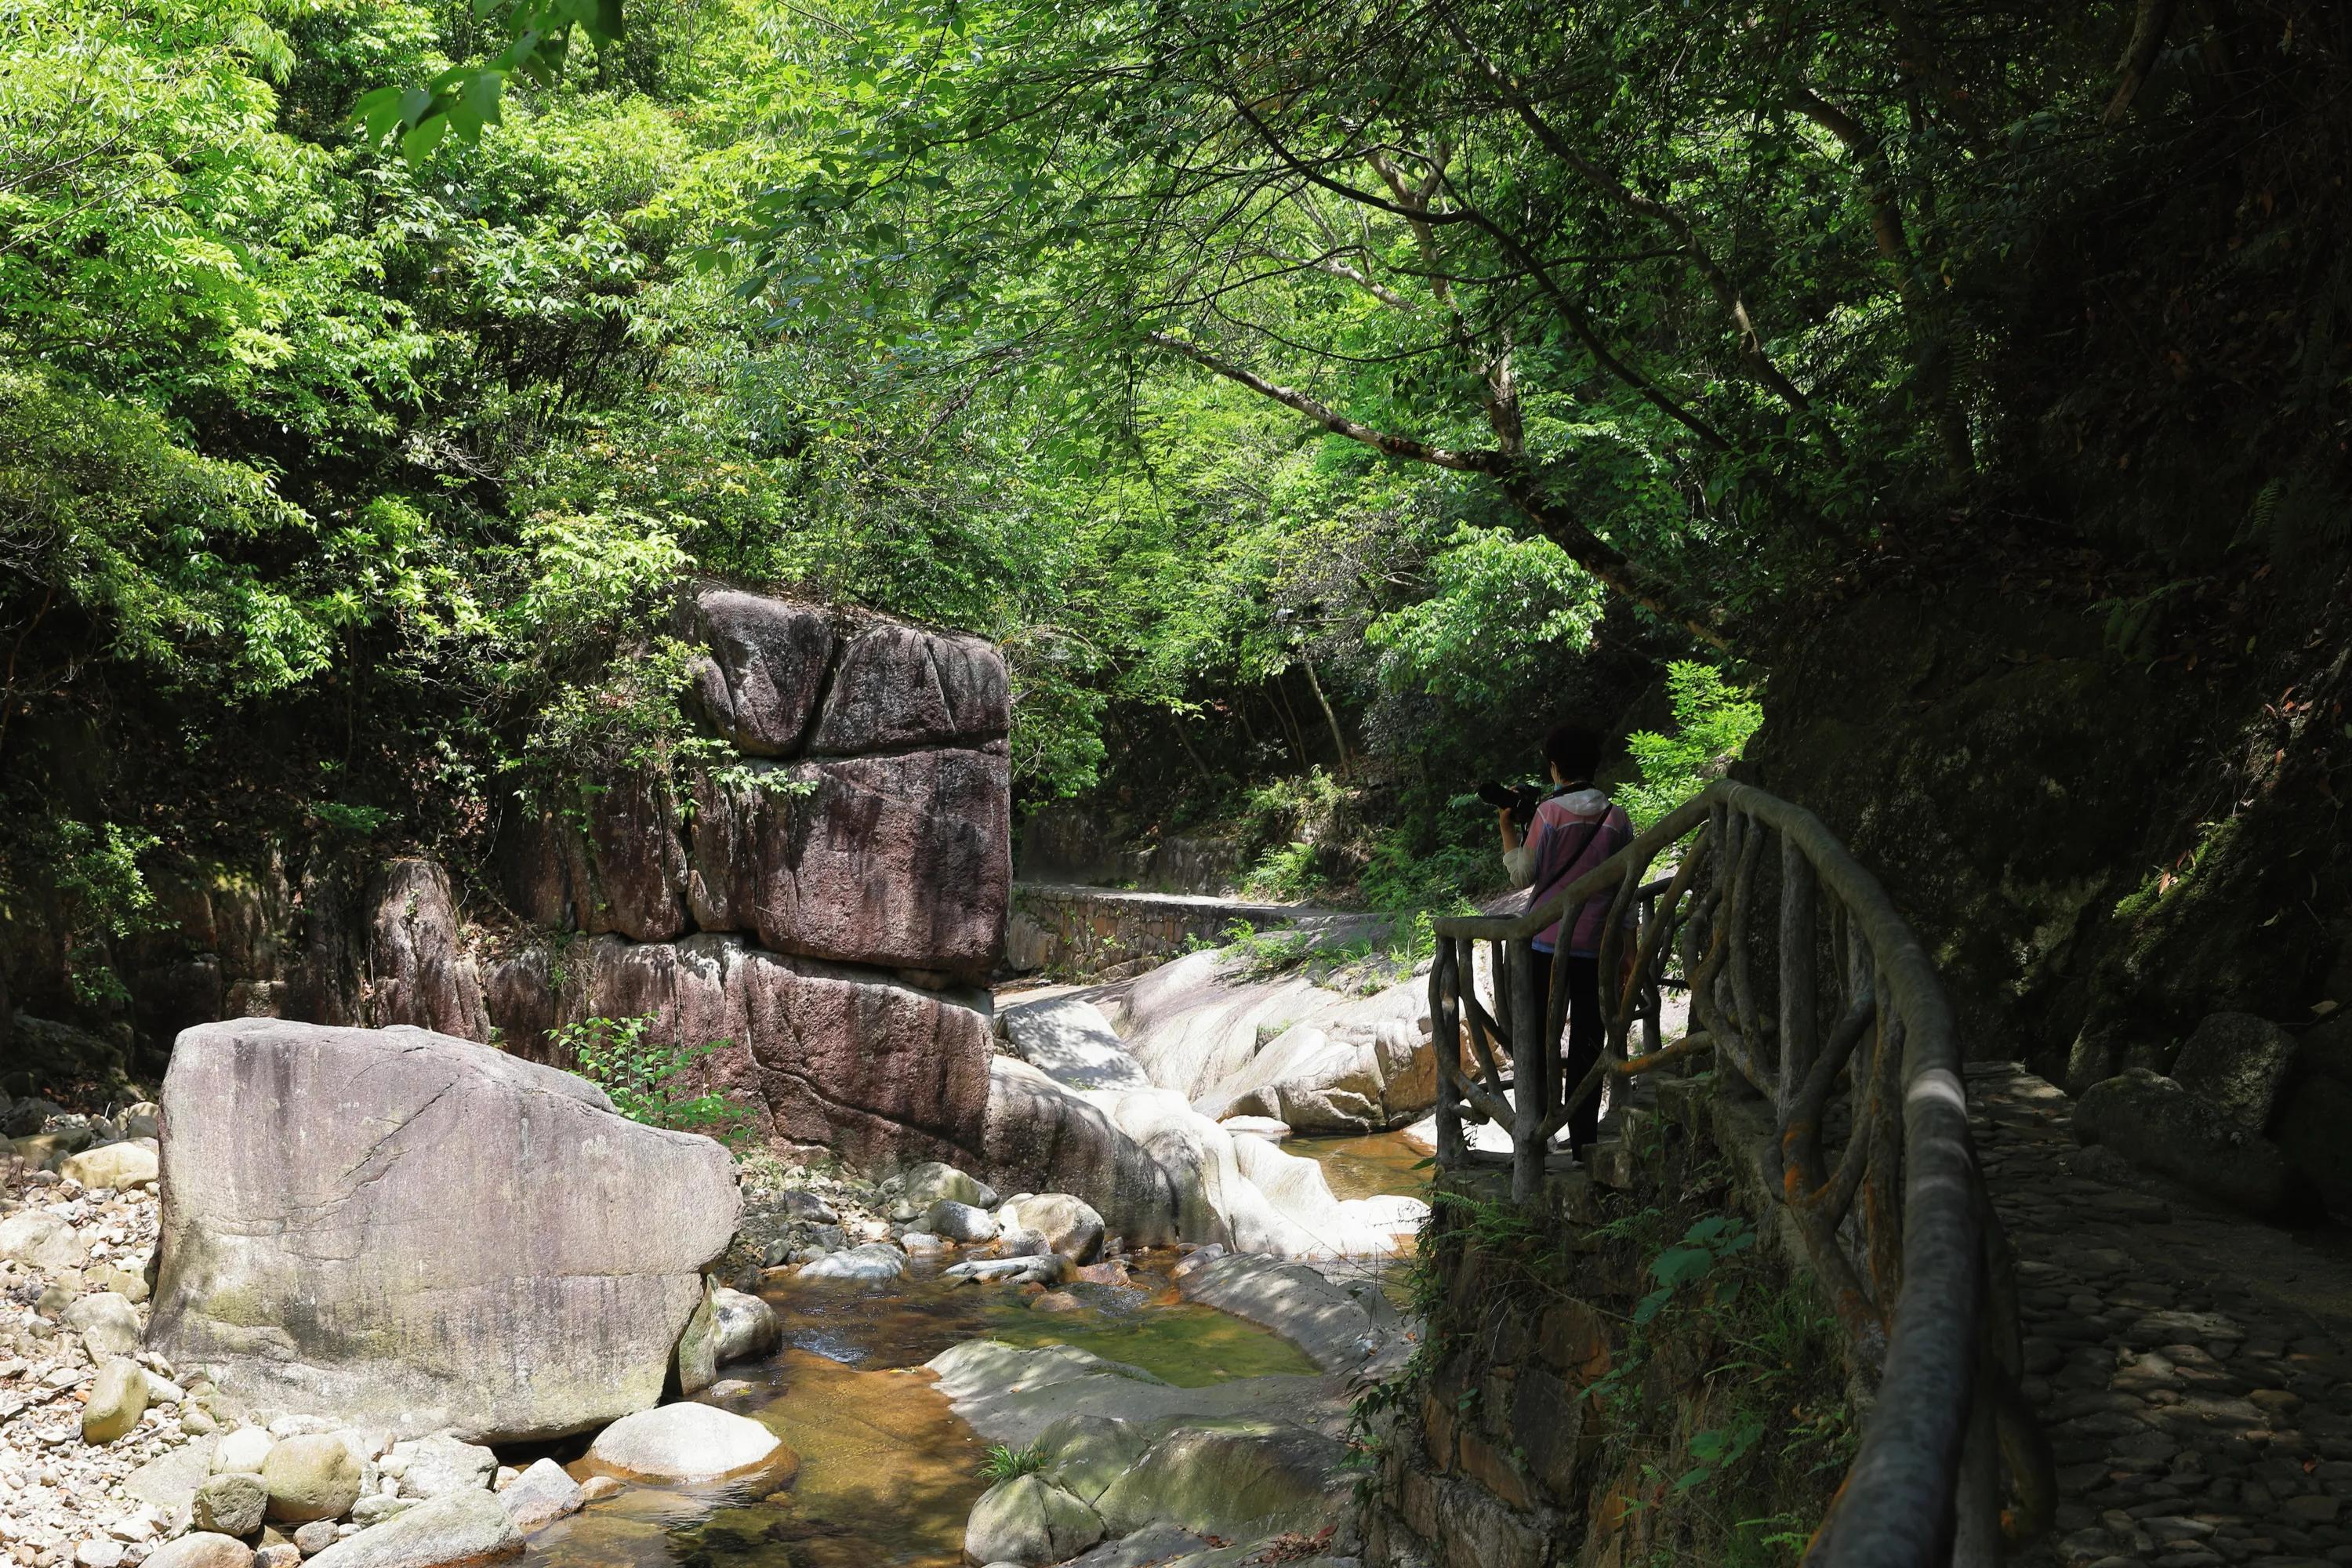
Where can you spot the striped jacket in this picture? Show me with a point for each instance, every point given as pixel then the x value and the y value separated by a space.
pixel 1562 845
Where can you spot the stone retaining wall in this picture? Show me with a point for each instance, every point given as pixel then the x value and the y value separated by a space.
pixel 1081 931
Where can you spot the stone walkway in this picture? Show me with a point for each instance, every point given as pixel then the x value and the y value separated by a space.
pixel 2192 1367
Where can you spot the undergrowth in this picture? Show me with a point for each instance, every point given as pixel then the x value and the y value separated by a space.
pixel 1722 1412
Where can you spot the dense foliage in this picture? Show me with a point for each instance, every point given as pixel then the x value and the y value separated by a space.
pixel 1284 388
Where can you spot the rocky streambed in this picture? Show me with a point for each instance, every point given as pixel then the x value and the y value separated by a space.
pixel 873 1402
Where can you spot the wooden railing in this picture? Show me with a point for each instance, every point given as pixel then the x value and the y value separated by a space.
pixel 1827 1007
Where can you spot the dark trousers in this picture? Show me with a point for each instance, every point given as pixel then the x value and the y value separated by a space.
pixel 1580 1040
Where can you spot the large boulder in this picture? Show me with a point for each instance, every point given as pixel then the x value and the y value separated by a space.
pixel 461 1527
pixel 758 685
pixel 416 973
pixel 107 1322
pixel 746 1328
pixel 2154 1122
pixel 311 1477
pixel 1241 1478
pixel 1041 1137
pixel 42 1241
pixel 118 1398
pixel 869 1066
pixel 132 1163
pixel 688 1442
pixel 415 1232
pixel 2236 1063
pixel 1030 1520
pixel 903 860
pixel 1069 1225
pixel 899 686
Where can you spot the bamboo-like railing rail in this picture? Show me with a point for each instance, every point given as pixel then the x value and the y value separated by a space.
pixel 1833 1015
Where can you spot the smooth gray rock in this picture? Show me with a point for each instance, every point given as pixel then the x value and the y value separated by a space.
pixel 460 1527
pixel 1044 1269
pixel 2156 1124
pixel 2236 1063
pixel 688 1442
pixel 1237 1478
pixel 200 1549
pixel 311 1476
pixel 960 1222
pixel 542 1495
pixel 1070 1041
pixel 376 1508
pixel 42 1241
pixel 168 1482
pixel 1069 1225
pixel 933 1182
pixel 1030 1520
pixel 118 1398
pixel 437 1465
pixel 315 1537
pixel 746 1326
pixel 1339 1328
pixel 1084 1454
pixel 230 1504
pixel 243 1449
pixel 460 1239
pixel 107 1322
pixel 875 1261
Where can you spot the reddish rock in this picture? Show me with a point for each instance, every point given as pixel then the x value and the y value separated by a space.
pixel 813 1054
pixel 415 973
pixel 903 861
pixel 520 993
pixel 627 873
pixel 533 865
pixel 877 1069
pixel 757 687
pixel 899 686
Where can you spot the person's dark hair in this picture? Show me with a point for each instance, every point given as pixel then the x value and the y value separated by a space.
pixel 1574 750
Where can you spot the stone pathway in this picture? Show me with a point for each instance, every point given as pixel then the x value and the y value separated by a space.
pixel 2192 1367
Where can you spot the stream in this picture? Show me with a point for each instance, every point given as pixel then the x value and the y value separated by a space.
pixel 888 1472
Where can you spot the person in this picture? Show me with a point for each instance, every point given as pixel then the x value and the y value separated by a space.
pixel 1575 827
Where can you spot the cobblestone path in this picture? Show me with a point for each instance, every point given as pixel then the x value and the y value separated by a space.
pixel 2192 1368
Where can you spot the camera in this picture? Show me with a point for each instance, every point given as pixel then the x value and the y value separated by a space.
pixel 1519 800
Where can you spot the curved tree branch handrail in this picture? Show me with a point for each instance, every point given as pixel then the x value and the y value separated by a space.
pixel 1897 1229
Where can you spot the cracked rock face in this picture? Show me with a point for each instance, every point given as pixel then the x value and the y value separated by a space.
pixel 407 1230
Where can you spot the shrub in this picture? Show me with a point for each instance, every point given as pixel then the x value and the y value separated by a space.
pixel 640 1074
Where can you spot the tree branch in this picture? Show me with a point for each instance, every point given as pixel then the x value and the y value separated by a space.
pixel 1578 542
pixel 1331 419
pixel 2148 26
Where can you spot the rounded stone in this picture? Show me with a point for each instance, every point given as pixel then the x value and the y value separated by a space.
pixel 315 1476
pixel 200 1549
pixel 117 1400
pixel 314 1537
pixel 690 1442
pixel 230 1504
pixel 243 1449
pixel 1029 1520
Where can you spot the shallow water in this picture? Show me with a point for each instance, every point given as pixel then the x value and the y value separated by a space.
pixel 1374 1165
pixel 889 1473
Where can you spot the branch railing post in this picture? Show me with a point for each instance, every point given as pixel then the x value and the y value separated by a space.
pixel 1892 1217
